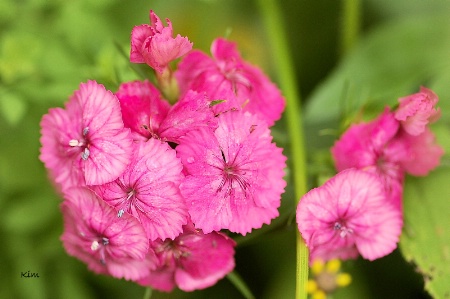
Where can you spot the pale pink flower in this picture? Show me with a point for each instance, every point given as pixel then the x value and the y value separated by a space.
pixel 192 261
pixel 368 146
pixel 86 142
pixel 417 110
pixel 116 246
pixel 143 108
pixel 234 175
pixel 420 153
pixel 148 190
pixel 228 77
pixel 154 44
pixel 348 215
pixel 191 112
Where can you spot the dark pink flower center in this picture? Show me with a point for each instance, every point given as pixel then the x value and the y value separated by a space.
pixel 171 251
pixel 343 229
pixel 82 144
pixel 233 177
pixel 99 245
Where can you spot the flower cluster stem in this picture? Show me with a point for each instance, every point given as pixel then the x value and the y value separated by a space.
pixel 285 70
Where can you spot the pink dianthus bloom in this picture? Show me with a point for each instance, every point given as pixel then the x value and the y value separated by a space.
pixel 348 215
pixel 368 146
pixel 420 153
pixel 154 45
pixel 192 261
pixel 417 110
pixel 234 174
pixel 191 112
pixel 228 77
pixel 143 108
pixel 86 143
pixel 149 190
pixel 116 246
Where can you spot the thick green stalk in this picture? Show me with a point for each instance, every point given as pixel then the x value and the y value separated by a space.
pixel 350 24
pixel 273 20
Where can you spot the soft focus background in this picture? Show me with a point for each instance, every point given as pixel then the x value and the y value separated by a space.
pixel 47 47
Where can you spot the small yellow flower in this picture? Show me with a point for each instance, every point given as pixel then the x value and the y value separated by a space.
pixel 326 278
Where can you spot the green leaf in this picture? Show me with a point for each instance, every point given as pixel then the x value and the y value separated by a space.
pixel 12 107
pixel 391 62
pixel 426 232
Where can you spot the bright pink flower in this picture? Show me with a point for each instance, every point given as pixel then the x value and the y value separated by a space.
pixel 235 174
pixel 191 112
pixel 108 244
pixel 86 142
pixel 143 108
pixel 154 45
pixel 367 146
pixel 421 154
pixel 148 190
pixel 192 261
pixel 227 76
pixel 347 215
pixel 417 110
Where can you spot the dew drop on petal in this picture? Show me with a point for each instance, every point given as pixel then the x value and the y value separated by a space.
pixel 120 213
pixel 190 160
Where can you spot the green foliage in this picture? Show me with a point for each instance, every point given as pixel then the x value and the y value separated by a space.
pixel 425 241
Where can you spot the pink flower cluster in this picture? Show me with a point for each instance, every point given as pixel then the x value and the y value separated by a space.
pixel 147 185
pixel 359 211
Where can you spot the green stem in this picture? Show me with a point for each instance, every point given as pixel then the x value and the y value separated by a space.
pixel 350 24
pixel 148 293
pixel 237 281
pixel 274 25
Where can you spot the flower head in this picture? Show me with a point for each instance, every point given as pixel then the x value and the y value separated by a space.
pixel 417 110
pixel 154 45
pixel 420 153
pixel 369 146
pixel 348 215
pixel 191 112
pixel 108 244
pixel 86 143
pixel 148 190
pixel 234 174
pixel 143 108
pixel 192 261
pixel 228 76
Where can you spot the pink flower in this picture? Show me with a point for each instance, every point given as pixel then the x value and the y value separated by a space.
pixel 192 261
pixel 191 112
pixel 227 76
pixel 368 146
pixel 154 45
pixel 86 142
pixel 148 190
pixel 234 175
pixel 348 215
pixel 421 154
pixel 417 110
pixel 143 108
pixel 108 244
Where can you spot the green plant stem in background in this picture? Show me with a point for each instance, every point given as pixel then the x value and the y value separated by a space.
pixel 239 283
pixel 148 293
pixel 285 70
pixel 350 24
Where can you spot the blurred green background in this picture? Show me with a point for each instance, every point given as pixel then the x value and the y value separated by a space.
pixel 47 47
